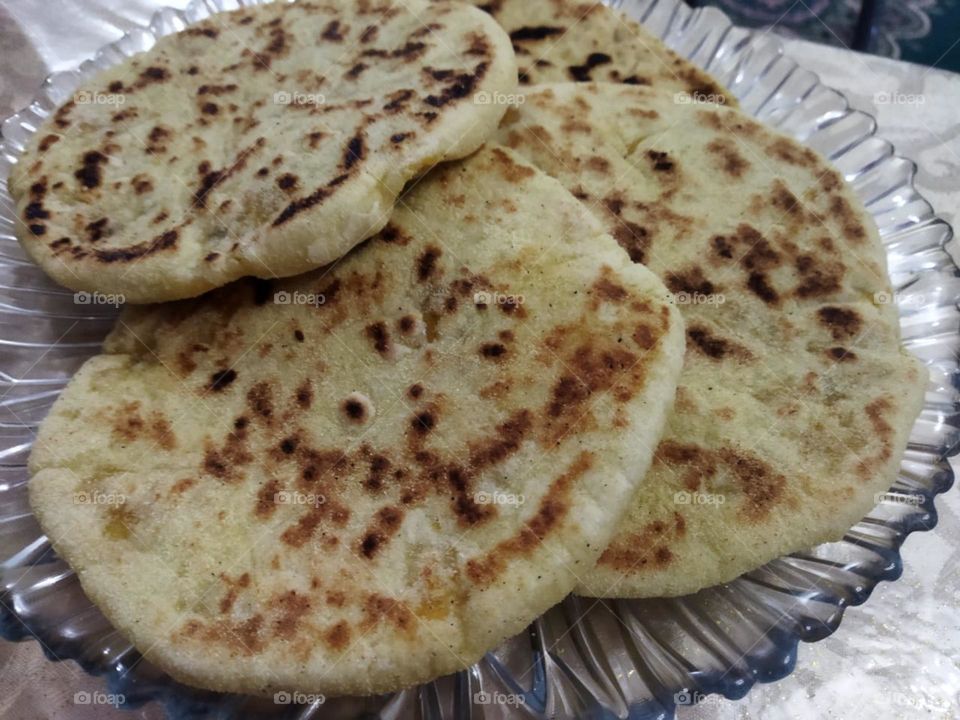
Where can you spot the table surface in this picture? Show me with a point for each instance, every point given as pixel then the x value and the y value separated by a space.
pixel 895 658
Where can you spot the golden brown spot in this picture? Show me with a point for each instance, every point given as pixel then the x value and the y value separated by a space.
pixel 287 181
pixel 377 609
pixel 379 336
pixel 379 466
pixel 337 636
pixel 298 534
pixel 644 336
pixel 292 606
pixel 730 161
pixel 581 73
pixel 876 412
pixel 89 174
pixel 605 289
pixel 817 277
pixel 465 507
pixel 304 395
pixel 241 636
pixel 181 486
pixel 759 284
pixel 552 511
pixel 354 410
pixel 267 498
pixel 758 481
pixel 843 323
pixel 660 161
pixel 354 152
pixel 260 400
pixel 224 462
pixel 641 549
pixel 427 262
pixel 590 369
pixel 784 200
pixel 493 351
pixel 713 346
pixel 508 438
pixel 234 587
pixel 423 422
pixel 221 379
pixel 120 519
pixel 129 425
pixel 792 153
pixel 47 142
pixel 840 354
pixel 511 171
pixel 385 525
pixel 393 234
pixel 633 238
pixel 152 75
pixel 690 280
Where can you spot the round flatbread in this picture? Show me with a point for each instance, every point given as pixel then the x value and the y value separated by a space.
pixel 367 476
pixel 266 141
pixel 567 40
pixel 796 399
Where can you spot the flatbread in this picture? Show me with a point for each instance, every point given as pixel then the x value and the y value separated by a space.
pixel 567 40
pixel 796 399
pixel 367 476
pixel 266 141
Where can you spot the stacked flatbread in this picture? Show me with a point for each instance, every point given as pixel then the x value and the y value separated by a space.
pixel 262 142
pixel 567 40
pixel 327 479
pixel 430 415
pixel 796 399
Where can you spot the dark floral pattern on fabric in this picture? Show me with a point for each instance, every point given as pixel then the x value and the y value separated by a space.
pixel 923 31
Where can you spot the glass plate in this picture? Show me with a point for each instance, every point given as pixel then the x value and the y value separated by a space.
pixel 583 658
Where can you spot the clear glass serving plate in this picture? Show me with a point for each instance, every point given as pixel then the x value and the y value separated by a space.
pixel 583 658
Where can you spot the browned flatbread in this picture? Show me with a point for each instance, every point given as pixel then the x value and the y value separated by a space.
pixel 266 141
pixel 796 398
pixel 569 40
pixel 362 478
